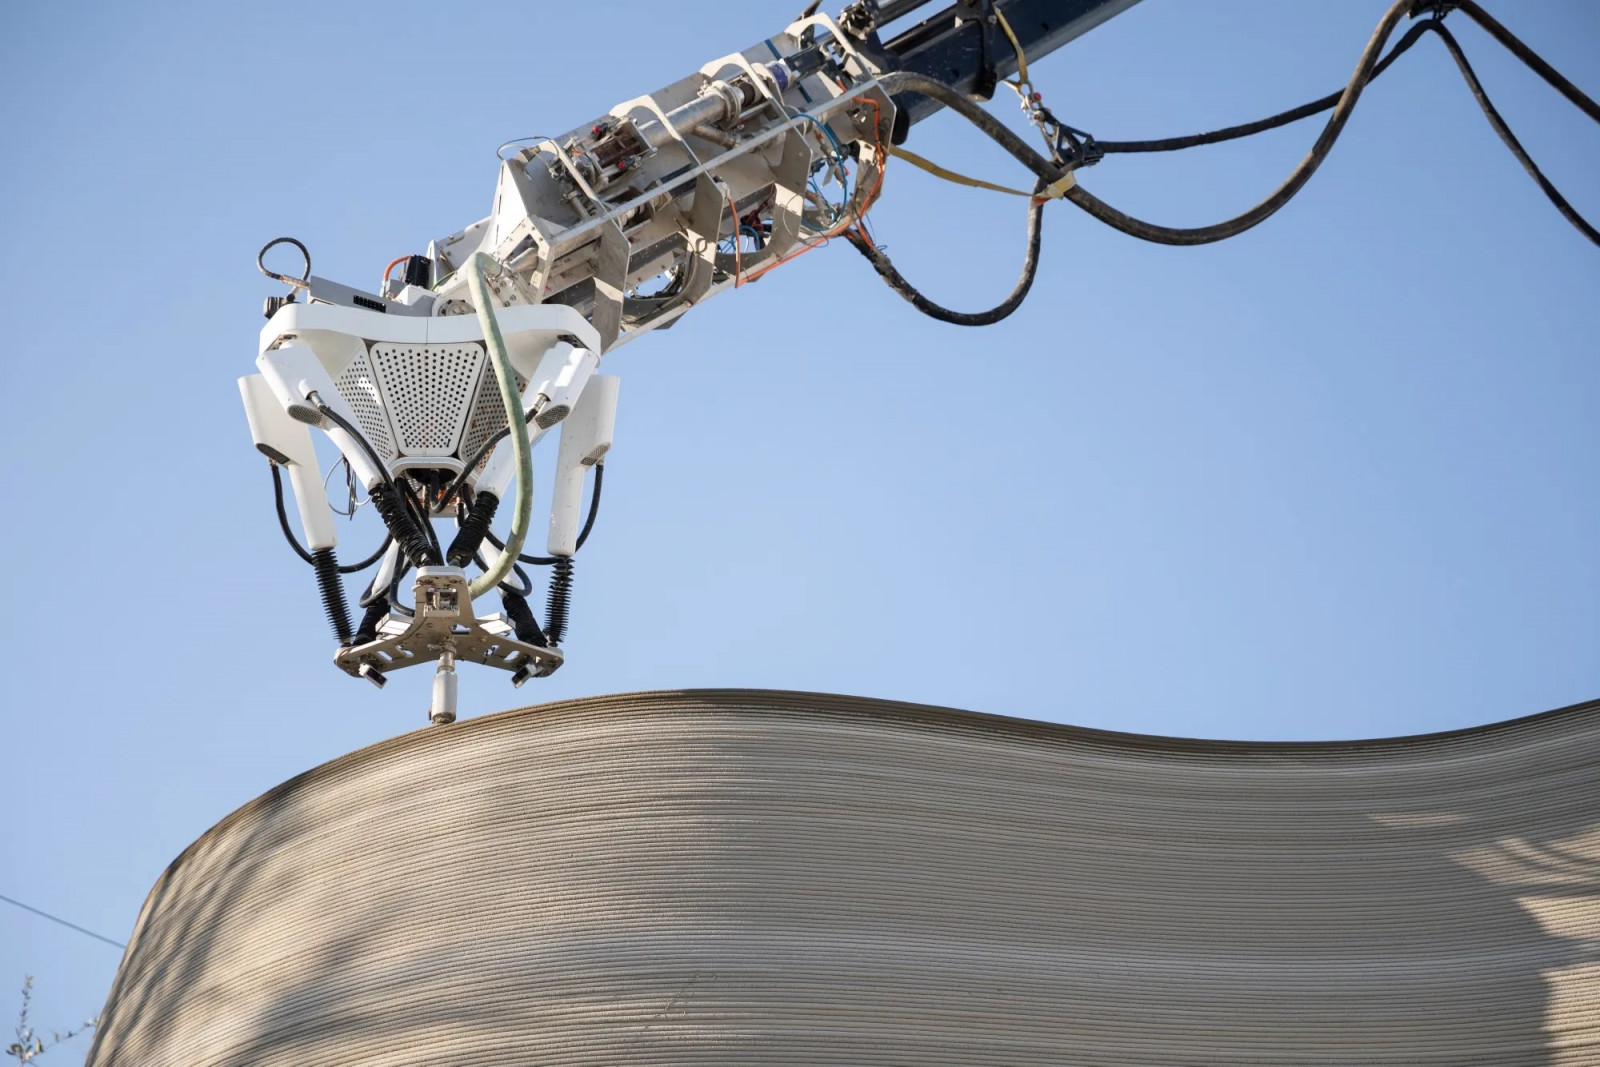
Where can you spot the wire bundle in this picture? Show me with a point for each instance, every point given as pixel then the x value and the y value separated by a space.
pixel 1342 103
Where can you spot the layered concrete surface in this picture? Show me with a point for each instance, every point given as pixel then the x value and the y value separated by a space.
pixel 742 877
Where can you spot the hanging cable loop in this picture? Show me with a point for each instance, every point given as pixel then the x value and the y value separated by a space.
pixel 1071 148
pixel 302 282
pixel 1531 59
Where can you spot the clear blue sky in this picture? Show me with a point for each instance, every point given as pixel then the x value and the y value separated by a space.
pixel 1335 478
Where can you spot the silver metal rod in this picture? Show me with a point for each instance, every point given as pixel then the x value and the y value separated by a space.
pixel 701 111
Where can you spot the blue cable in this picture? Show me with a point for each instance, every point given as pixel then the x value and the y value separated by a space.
pixel 838 158
pixel 827 131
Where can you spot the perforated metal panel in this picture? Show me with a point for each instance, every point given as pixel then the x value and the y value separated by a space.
pixel 429 391
pixel 488 415
pixel 360 390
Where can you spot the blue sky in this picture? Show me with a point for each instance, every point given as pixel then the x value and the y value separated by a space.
pixel 1335 478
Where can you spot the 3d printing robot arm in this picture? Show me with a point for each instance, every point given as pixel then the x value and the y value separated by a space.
pixel 615 229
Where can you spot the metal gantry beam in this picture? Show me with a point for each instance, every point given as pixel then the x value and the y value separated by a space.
pixel 960 47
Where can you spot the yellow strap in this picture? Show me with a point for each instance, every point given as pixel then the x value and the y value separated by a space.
pixel 1022 57
pixel 949 175
pixel 1053 191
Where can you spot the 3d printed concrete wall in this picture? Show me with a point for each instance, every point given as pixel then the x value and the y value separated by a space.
pixel 760 878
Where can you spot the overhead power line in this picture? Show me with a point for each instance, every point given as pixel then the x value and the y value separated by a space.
pixel 62 922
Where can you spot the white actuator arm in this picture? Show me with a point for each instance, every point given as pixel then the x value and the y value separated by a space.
pixel 288 443
pixel 295 374
pixel 585 439
pixel 555 386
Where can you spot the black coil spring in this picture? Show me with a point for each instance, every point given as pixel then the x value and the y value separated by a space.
pixel 560 602
pixel 402 526
pixel 522 620
pixel 332 590
pixel 474 528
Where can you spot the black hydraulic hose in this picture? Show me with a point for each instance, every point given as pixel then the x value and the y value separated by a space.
pixel 261 264
pixel 294 542
pixel 1343 103
pixel 377 611
pixel 419 515
pixel 1019 293
pixel 1271 122
pixel 905 81
pixel 594 505
pixel 583 534
pixel 392 508
pixel 1221 231
pixel 1499 124
pixel 354 568
pixel 473 530
pixel 283 517
pixel 1047 172
pixel 402 515
pixel 1528 56
pixel 356 434
pixel 523 624
pixel 401 511
pixel 392 594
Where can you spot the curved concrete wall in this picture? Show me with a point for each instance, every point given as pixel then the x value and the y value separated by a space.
pixel 757 878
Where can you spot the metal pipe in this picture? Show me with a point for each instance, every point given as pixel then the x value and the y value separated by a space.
pixel 717 103
pixel 707 109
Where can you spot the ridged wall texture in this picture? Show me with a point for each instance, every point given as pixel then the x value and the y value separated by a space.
pixel 738 877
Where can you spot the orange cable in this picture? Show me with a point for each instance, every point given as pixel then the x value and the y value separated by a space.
pixel 390 269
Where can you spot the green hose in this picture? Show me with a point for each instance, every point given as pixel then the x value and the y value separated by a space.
pixel 516 419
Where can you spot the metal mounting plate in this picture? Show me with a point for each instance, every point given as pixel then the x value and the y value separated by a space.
pixel 444 622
